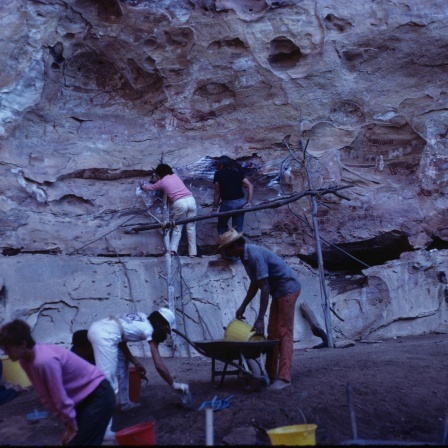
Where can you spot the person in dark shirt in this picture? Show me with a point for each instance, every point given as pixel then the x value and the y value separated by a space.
pixel 229 194
pixel 82 346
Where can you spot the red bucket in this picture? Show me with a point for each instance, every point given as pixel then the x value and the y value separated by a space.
pixel 134 385
pixel 138 435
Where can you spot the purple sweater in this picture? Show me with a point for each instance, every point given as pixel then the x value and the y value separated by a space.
pixel 61 378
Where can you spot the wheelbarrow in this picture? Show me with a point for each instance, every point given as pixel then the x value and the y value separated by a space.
pixel 245 357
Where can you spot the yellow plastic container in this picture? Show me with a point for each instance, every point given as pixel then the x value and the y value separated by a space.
pixel 294 435
pixel 240 331
pixel 13 373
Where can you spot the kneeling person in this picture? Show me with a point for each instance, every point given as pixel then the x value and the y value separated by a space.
pixel 68 386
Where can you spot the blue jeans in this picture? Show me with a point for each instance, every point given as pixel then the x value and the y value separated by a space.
pixel 237 220
pixel 93 415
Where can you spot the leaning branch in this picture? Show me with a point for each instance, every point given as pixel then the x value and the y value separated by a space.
pixel 270 204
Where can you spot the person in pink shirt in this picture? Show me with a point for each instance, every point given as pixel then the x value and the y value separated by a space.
pixel 183 203
pixel 68 386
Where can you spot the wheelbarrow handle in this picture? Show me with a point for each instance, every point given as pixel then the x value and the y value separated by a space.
pixel 200 350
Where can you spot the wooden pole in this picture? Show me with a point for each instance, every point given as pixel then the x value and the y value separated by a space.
pixel 320 262
pixel 169 272
pixel 326 307
pixel 266 205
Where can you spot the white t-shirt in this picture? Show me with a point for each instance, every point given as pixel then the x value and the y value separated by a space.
pixel 136 327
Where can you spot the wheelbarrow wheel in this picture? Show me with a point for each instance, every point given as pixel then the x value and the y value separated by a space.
pixel 253 382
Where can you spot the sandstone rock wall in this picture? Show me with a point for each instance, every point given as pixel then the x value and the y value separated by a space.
pixel 59 295
pixel 94 94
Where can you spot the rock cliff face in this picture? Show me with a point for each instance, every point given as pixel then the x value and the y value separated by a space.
pixel 304 94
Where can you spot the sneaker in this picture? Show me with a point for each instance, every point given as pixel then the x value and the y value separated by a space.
pixel 128 406
pixel 109 436
pixel 279 385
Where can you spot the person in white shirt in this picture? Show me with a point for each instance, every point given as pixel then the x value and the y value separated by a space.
pixel 109 338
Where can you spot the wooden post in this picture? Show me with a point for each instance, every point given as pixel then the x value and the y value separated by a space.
pixel 325 300
pixel 320 262
pixel 169 272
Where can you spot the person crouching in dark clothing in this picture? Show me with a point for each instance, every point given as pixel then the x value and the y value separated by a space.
pixel 82 346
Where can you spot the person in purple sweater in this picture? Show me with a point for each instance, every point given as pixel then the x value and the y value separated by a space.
pixel 183 204
pixel 68 386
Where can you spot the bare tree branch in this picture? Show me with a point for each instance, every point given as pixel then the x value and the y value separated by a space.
pixel 265 205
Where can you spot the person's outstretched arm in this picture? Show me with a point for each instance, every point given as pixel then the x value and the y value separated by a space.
pixel 263 286
pixel 162 370
pixel 253 288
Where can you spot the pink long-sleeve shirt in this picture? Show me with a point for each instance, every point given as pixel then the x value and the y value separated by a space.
pixel 61 378
pixel 172 185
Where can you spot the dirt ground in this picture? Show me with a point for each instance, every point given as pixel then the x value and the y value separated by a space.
pixel 399 394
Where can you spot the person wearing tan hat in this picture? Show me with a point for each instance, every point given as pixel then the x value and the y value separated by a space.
pixel 270 275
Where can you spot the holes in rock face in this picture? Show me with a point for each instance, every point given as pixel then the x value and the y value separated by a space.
pixel 71 204
pixel 347 113
pixel 212 89
pixel 3 294
pixel 206 5
pixel 235 45
pixel 375 251
pixel 438 243
pixel 57 52
pixel 179 37
pixel 140 78
pixel 90 71
pixel 10 251
pixel 109 9
pixel 217 95
pixel 105 174
pixel 149 63
pixel 353 55
pixel 284 54
pixel 335 23
pixel 150 44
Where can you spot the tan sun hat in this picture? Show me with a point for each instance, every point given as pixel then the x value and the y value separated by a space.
pixel 228 238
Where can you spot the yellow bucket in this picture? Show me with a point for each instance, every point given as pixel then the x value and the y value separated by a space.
pixel 294 435
pixel 13 373
pixel 240 331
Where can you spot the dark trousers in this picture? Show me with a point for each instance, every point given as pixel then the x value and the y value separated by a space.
pixel 237 220
pixel 93 415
